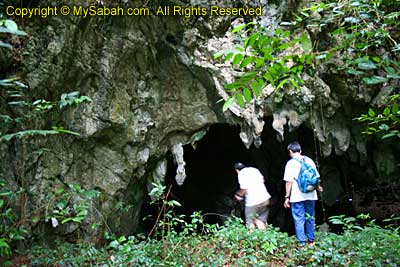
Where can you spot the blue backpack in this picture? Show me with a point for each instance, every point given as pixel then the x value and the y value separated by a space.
pixel 308 176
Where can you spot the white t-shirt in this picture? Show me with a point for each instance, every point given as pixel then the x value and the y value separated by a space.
pixel 252 180
pixel 292 170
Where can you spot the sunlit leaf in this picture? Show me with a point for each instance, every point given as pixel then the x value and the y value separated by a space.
pixel 386 111
pixel 287 23
pixel 247 94
pixel 376 59
pixel 294 83
pixel 391 134
pixel 228 103
pixel 321 56
pixel 258 86
pixel 375 80
pixel 367 65
pixel 393 76
pixel 352 19
pixel 233 85
pixel 237 59
pixel 6 45
pixel 11 25
pixel 395 108
pixel 384 127
pixel 251 40
pixel 218 54
pixel 261 41
pixel 259 62
pixel 249 75
pixel 229 56
pixel 286 34
pixel 284 46
pixel 175 203
pixel 355 72
pixel 246 62
pixel 62 130
pixel 371 112
pixel 306 42
pixel 240 100
pixel 238 28
pixel 281 83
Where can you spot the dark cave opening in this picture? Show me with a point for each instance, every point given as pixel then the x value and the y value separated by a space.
pixel 211 180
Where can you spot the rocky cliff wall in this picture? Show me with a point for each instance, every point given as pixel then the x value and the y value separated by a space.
pixel 155 85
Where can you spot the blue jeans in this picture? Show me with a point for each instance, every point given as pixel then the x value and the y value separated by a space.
pixel 304 218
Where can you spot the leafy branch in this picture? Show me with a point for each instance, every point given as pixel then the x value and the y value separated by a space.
pixel 264 57
pixel 38 107
pixel 385 124
pixel 355 30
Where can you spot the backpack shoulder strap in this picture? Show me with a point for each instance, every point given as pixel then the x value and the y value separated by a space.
pixel 308 164
pixel 301 165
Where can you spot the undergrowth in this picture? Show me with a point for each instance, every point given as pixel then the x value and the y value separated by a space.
pixel 233 245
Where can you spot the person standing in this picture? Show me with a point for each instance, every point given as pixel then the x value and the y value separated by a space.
pixel 255 194
pixel 302 204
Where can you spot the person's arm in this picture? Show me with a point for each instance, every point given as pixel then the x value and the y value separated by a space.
pixel 288 189
pixel 239 195
pixel 319 187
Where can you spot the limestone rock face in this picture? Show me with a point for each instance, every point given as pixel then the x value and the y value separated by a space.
pixel 148 99
pixel 154 83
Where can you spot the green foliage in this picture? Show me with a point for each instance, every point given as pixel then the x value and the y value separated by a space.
pixel 10 230
pixel 197 136
pixel 386 123
pixel 9 26
pixel 363 29
pixel 361 33
pixel 30 110
pixel 362 25
pixel 350 223
pixel 73 98
pixel 363 243
pixel 166 220
pixel 232 244
pixel 63 205
pixel 68 204
pixel 35 110
pixel 264 56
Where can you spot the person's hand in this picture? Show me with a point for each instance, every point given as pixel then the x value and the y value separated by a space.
pixel 286 204
pixel 239 198
pixel 320 189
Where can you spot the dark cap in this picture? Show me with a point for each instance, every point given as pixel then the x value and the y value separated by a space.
pixel 239 166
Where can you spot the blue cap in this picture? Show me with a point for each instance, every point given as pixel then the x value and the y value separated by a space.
pixel 239 166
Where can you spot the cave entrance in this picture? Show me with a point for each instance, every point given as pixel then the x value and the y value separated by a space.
pixel 211 180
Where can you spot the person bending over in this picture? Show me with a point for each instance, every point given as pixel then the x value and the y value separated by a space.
pixel 255 195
